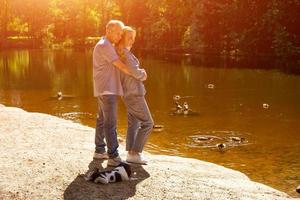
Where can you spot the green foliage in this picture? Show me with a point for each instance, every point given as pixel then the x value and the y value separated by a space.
pixel 16 25
pixel 68 42
pixel 156 33
pixel 192 39
pixel 281 43
pixel 231 27
pixel 48 36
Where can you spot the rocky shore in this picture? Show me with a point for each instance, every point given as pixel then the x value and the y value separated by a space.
pixel 45 157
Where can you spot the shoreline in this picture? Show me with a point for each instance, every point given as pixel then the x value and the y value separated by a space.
pixel 44 157
pixel 167 51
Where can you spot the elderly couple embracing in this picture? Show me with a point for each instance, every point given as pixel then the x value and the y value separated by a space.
pixel 117 72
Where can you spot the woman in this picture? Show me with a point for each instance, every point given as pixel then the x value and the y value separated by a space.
pixel 140 122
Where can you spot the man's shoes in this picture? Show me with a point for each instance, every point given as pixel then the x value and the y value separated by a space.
pixel 100 155
pixel 136 159
pixel 114 161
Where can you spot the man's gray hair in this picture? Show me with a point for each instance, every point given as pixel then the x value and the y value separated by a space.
pixel 113 23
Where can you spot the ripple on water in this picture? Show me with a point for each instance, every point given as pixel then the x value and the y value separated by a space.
pixel 76 116
pixel 211 139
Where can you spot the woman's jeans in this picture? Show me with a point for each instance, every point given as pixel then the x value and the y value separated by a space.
pixel 140 122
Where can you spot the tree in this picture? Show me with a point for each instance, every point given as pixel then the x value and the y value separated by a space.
pixel 4 17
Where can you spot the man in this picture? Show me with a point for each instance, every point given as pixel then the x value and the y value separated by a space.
pixel 107 88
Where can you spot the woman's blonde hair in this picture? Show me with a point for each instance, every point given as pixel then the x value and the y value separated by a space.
pixel 121 44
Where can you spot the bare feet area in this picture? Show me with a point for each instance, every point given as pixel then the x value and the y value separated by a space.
pixel 45 157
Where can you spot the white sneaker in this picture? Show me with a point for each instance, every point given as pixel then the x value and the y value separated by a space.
pixel 100 155
pixel 114 161
pixel 136 158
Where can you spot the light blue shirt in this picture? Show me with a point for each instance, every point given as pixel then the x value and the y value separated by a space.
pixel 131 86
pixel 106 76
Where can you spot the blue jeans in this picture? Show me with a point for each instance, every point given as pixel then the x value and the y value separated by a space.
pixel 106 125
pixel 140 122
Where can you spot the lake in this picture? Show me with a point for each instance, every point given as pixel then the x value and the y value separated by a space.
pixel 260 105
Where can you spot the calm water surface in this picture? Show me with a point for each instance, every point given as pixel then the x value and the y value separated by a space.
pixel 234 107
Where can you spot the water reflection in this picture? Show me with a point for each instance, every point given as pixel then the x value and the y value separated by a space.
pixel 229 101
pixel 15 65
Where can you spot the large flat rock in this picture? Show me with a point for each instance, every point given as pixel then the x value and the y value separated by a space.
pixel 44 157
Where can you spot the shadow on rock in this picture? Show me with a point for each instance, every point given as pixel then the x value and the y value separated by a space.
pixel 82 189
